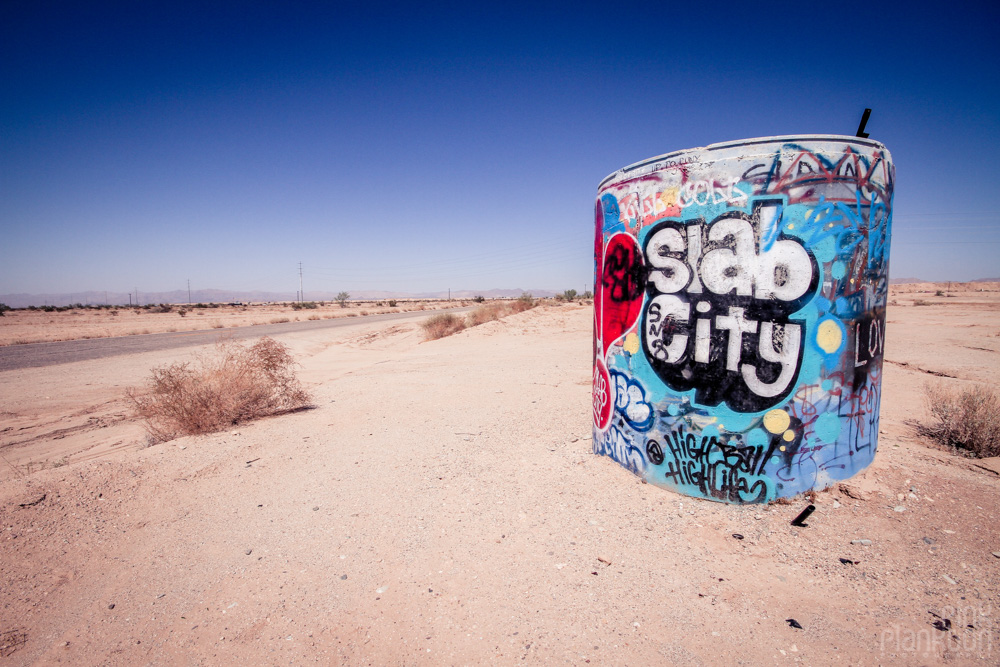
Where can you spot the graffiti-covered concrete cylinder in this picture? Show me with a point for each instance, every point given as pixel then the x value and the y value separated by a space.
pixel 739 315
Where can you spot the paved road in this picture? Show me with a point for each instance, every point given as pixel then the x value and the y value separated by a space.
pixel 13 357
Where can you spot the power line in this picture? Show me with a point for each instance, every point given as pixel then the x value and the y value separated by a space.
pixel 477 259
pixel 464 268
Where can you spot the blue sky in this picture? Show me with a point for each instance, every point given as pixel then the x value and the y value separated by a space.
pixel 430 146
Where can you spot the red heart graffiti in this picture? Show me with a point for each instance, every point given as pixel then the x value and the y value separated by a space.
pixel 621 286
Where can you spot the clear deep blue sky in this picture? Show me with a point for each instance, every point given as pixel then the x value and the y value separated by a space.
pixel 424 147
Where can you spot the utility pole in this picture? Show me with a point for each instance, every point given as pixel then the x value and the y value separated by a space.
pixel 189 290
pixel 449 294
pixel 301 294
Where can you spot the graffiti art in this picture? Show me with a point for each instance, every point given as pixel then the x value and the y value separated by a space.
pixel 739 315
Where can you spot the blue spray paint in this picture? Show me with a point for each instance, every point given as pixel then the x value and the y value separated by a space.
pixel 746 363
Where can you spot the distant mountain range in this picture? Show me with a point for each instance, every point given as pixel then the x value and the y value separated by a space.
pixel 230 296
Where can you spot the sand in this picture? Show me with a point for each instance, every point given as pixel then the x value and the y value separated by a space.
pixel 440 505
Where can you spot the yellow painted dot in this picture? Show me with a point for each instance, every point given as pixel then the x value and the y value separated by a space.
pixel 829 336
pixel 631 343
pixel 776 421
pixel 788 435
pixel 781 449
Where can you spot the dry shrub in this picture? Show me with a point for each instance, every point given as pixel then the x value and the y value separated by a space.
pixel 279 320
pixel 966 419
pixel 484 314
pixel 446 324
pixel 240 382
pixel 442 325
pixel 499 309
pixel 522 303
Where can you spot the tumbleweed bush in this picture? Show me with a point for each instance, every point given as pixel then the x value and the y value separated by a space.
pixel 966 419
pixel 238 383
pixel 441 325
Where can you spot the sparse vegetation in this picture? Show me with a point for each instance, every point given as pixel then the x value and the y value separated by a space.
pixel 392 303
pixel 479 298
pixel 484 314
pixel 342 298
pixel 939 293
pixel 497 310
pixel 444 324
pixel 568 295
pixel 308 305
pixel 239 383
pixel 967 419
pixel 921 302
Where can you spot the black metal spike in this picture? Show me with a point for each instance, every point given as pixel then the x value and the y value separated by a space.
pixel 864 121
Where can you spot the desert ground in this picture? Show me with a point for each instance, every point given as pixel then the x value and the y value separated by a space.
pixel 439 504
